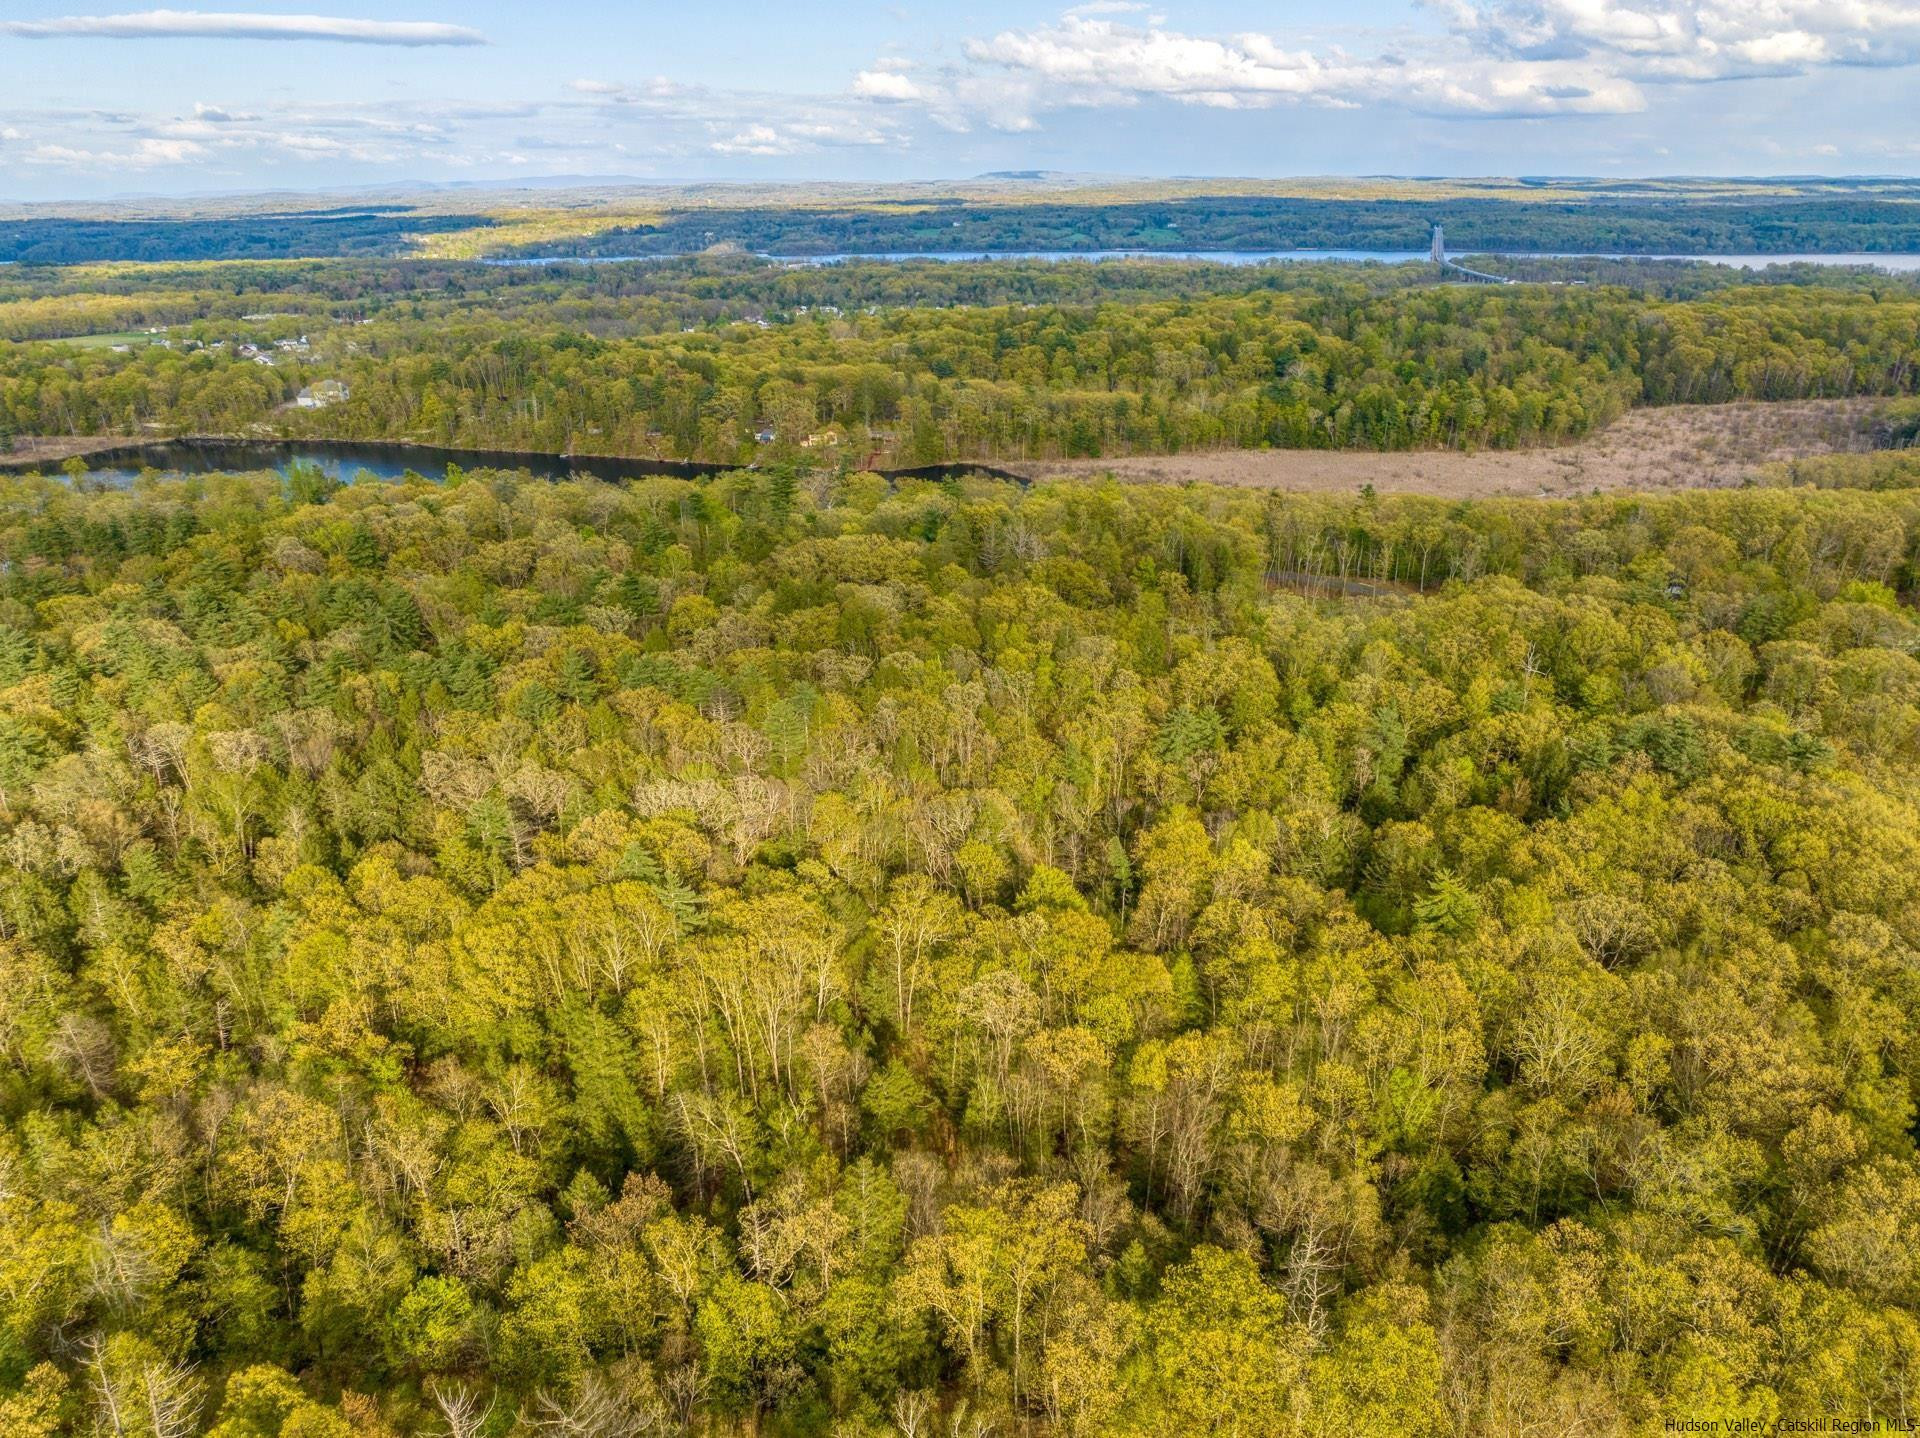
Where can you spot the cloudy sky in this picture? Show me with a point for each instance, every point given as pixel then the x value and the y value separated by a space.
pixel 100 102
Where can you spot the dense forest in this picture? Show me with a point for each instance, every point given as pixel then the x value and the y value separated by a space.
pixel 1755 217
pixel 667 295
pixel 1666 226
pixel 374 230
pixel 800 956
pixel 872 366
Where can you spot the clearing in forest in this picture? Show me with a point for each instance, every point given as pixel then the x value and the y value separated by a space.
pixel 1674 447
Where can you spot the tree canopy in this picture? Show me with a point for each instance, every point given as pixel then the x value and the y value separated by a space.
pixel 894 367
pixel 801 955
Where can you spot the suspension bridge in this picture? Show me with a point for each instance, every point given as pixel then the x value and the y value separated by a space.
pixel 1459 273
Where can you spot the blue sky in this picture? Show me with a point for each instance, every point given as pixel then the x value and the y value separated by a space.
pixel 98 100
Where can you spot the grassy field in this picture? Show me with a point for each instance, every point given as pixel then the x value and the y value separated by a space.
pixel 106 341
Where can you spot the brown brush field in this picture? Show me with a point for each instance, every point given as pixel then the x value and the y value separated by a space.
pixel 1678 447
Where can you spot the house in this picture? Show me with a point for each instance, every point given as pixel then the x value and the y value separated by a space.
pixel 764 435
pixel 322 393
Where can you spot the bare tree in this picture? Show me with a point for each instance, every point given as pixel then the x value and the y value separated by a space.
pixel 598 1408
pixel 461 1409
pixel 911 1408
pixel 138 1391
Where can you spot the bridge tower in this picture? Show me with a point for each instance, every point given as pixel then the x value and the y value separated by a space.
pixel 1439 245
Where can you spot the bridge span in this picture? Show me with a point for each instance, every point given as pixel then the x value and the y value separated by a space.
pixel 1449 270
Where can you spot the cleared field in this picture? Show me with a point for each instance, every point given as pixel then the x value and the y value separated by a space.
pixel 29 451
pixel 105 341
pixel 1679 447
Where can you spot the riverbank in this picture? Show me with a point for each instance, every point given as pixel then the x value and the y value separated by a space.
pixel 202 454
pixel 50 451
pixel 1674 447
pixel 1892 261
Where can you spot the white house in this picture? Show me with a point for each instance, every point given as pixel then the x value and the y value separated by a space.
pixel 322 393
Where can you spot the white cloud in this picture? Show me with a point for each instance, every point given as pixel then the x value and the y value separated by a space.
pixel 402 136
pixel 147 154
pixel 1679 41
pixel 657 89
pixel 1472 59
pixel 799 135
pixel 211 25
pixel 1083 60
pixel 837 130
pixel 661 117
pixel 755 140
pixel 168 152
pixel 1499 58
pixel 887 80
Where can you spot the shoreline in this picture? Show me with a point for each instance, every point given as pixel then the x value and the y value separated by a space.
pixel 1648 448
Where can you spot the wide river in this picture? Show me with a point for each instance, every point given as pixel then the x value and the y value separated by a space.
pixel 1896 262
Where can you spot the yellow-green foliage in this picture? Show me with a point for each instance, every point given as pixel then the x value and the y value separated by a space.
pixel 811 957
pixel 1093 362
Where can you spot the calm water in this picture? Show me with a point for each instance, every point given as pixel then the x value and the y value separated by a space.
pixel 1210 257
pixel 1899 264
pixel 1214 257
pixel 348 461
pixel 1904 264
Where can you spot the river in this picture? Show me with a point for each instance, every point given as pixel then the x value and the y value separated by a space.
pixel 1898 263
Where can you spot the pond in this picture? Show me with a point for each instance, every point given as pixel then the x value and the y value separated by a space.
pixel 347 460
